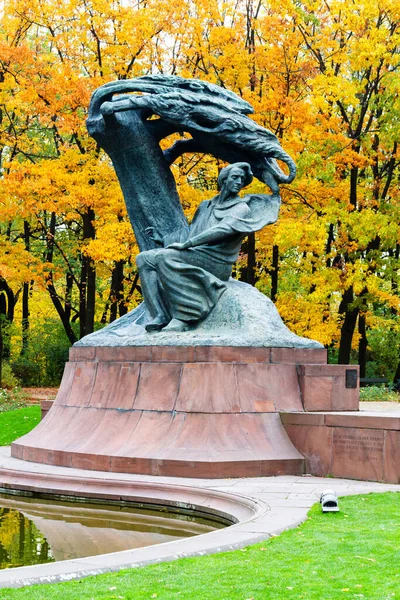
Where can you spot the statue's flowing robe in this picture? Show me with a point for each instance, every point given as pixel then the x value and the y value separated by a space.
pixel 192 280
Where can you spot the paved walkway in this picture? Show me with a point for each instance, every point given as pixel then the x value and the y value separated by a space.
pixel 380 406
pixel 278 503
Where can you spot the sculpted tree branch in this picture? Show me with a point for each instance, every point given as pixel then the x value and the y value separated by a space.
pixel 215 118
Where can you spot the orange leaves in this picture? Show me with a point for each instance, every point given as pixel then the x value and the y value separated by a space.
pixel 322 76
pixel 62 185
pixel 308 316
pixel 114 241
pixel 17 265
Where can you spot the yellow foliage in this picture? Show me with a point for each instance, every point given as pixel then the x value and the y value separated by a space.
pixel 322 76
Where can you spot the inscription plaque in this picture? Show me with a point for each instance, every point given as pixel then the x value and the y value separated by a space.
pixel 351 378
pixel 359 443
pixel 358 453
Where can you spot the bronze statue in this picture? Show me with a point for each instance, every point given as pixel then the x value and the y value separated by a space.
pixel 183 280
pixel 183 269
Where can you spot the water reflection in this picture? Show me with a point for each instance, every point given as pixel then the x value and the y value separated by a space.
pixel 38 531
pixel 21 543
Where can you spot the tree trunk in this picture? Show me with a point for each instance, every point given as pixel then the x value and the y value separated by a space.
pixel 353 184
pixel 274 272
pixel 10 300
pixel 329 243
pixel 395 289
pixel 251 259
pixel 25 318
pixel 69 282
pixel 103 319
pixel 7 304
pixel 348 326
pixel 60 310
pixel 117 290
pixel 25 297
pixel 396 378
pixel 64 316
pixel 362 344
pixel 91 297
pixel 82 297
pixel 248 273
pixel 395 278
pixel 146 181
pixel 87 296
pixel 135 286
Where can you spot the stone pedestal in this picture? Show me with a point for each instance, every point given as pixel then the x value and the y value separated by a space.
pixel 182 411
pixel 357 445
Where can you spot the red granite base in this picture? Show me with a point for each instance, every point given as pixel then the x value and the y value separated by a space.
pixel 183 411
pixel 360 445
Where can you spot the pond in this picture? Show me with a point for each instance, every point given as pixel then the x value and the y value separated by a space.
pixel 35 531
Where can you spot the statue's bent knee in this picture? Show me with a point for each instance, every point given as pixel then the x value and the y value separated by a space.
pixel 146 258
pixel 167 256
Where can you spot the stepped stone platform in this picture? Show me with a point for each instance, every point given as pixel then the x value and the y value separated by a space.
pixel 357 445
pixel 202 411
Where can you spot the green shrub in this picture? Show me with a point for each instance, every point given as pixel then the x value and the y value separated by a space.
pixel 42 363
pixel 49 348
pixel 8 379
pixel 56 356
pixel 27 371
pixel 383 350
pixel 378 393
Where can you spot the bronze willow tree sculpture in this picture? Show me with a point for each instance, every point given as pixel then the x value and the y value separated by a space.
pixel 128 119
pixel 123 125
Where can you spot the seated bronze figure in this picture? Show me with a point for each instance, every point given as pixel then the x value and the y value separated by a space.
pixel 183 280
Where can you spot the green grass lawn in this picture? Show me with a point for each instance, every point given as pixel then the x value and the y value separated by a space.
pixel 14 423
pixel 351 554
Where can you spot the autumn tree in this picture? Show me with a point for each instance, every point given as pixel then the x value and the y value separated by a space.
pixel 323 76
pixel 355 50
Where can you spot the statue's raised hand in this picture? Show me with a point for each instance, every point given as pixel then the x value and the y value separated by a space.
pixel 154 235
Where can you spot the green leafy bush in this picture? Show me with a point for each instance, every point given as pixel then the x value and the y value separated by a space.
pixel 42 363
pixel 378 393
pixel 27 371
pixel 8 379
pixel 56 356
pixel 383 346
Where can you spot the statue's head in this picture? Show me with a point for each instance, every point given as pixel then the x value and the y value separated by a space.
pixel 235 174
